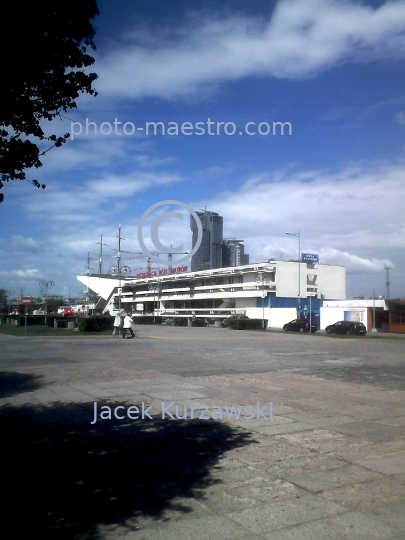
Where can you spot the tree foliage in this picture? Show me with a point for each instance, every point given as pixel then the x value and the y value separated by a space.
pixel 43 62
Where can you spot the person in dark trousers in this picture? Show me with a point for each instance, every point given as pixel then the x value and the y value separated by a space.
pixel 128 326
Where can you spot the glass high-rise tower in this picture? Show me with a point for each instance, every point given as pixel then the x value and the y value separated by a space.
pixel 209 254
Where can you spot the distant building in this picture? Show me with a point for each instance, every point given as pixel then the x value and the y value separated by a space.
pixel 218 293
pixel 233 253
pixel 209 254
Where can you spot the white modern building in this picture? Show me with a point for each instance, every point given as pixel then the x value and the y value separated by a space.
pixel 276 291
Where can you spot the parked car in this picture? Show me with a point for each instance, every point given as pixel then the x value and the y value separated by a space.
pixel 66 310
pixel 224 323
pixel 299 325
pixel 346 327
pixel 168 321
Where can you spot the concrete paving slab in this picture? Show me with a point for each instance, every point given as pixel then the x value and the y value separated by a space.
pixel 265 454
pixel 233 477
pixel 394 421
pixel 392 514
pixel 174 394
pixel 280 514
pixel 369 494
pixel 293 427
pixel 328 422
pixel 359 452
pixel 351 428
pixel 384 434
pixel 394 464
pixel 227 498
pixel 300 465
pixel 210 527
pixel 317 481
pixel 349 526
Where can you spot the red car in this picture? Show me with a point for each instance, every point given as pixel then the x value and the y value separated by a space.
pixel 67 312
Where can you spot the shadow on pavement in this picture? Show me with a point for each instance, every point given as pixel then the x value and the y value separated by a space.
pixel 12 383
pixel 62 476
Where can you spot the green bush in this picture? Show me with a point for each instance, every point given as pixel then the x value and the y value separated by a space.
pixel 147 319
pixel 247 324
pixel 32 320
pixel 95 324
pixel 180 321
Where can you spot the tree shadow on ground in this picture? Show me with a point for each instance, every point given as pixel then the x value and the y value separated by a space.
pixel 65 477
pixel 12 383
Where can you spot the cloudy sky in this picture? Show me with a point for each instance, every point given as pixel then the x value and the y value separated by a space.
pixel 221 73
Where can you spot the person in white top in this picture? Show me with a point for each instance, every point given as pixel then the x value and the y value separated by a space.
pixel 127 326
pixel 117 325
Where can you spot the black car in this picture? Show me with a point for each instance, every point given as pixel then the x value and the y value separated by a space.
pixel 299 325
pixel 224 323
pixel 346 327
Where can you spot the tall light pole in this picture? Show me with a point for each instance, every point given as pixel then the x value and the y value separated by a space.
pixel 298 235
pixel 263 277
pixel 374 328
pixel 156 289
pixel 9 295
pixel 122 271
pixel 46 285
pixel 388 282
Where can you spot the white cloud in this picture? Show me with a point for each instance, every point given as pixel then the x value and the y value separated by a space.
pixel 21 274
pixel 301 39
pixel 400 118
pixel 353 263
pixel 19 244
pixel 75 204
pixel 353 217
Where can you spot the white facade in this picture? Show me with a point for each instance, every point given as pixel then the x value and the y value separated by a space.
pixel 349 310
pixel 326 280
pixel 218 293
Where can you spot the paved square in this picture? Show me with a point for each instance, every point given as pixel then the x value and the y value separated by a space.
pixel 330 463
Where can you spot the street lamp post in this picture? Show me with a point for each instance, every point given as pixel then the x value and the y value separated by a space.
pixel 9 294
pixel 374 328
pixel 46 285
pixel 155 289
pixel 262 277
pixel 298 235
pixel 121 272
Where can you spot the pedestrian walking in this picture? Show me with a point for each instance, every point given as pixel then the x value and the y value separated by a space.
pixel 117 325
pixel 127 326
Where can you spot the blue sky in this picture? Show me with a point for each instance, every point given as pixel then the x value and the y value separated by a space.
pixel 333 69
